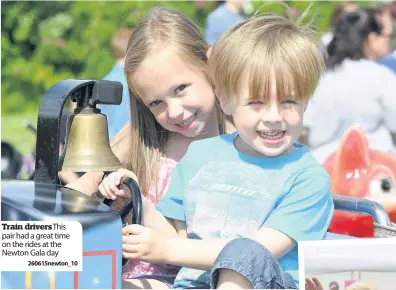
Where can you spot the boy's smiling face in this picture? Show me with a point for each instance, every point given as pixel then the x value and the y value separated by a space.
pixel 268 129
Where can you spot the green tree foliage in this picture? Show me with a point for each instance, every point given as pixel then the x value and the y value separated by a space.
pixel 45 42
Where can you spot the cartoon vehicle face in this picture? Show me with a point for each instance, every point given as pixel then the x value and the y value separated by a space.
pixel 361 172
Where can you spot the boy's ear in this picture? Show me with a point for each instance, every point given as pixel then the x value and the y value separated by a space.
pixel 209 52
pixel 224 105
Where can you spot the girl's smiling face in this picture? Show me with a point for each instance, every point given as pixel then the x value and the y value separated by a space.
pixel 180 98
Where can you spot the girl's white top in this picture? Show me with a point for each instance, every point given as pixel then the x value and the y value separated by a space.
pixel 357 91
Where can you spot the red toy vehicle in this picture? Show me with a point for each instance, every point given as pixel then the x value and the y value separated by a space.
pixel 360 172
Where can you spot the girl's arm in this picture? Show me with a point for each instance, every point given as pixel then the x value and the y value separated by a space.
pixel 89 184
pixel 153 219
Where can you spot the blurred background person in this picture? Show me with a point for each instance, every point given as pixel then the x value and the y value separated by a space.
pixel 227 14
pixel 389 25
pixel 354 88
pixel 118 115
pixel 339 10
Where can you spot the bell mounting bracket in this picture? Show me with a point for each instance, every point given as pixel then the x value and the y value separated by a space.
pixel 87 94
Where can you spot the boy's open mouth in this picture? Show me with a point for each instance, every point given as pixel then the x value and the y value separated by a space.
pixel 275 135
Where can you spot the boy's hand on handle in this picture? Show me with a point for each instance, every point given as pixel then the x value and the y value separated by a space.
pixel 111 186
pixel 145 244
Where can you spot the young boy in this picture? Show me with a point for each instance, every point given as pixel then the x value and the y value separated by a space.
pixel 256 183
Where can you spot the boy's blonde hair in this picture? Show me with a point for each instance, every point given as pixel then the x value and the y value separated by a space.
pixel 161 28
pixel 260 46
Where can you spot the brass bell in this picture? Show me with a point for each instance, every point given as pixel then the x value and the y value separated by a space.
pixel 88 147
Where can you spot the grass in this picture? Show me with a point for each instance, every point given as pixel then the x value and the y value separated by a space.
pixel 13 130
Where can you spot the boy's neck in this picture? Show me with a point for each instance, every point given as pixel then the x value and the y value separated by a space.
pixel 241 146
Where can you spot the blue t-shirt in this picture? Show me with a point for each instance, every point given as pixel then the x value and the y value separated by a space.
pixel 222 193
pixel 117 115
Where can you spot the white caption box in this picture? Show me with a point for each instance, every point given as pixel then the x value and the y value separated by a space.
pixel 41 246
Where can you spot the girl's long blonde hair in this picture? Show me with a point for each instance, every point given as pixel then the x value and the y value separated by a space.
pixel 161 27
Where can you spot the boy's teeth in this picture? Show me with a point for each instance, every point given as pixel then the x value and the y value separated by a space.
pixel 271 135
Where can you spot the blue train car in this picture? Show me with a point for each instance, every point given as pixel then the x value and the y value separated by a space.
pixel 102 236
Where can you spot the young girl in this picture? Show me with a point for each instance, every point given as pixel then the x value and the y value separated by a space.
pixel 172 104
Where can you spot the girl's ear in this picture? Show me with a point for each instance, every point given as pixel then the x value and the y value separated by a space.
pixel 209 52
